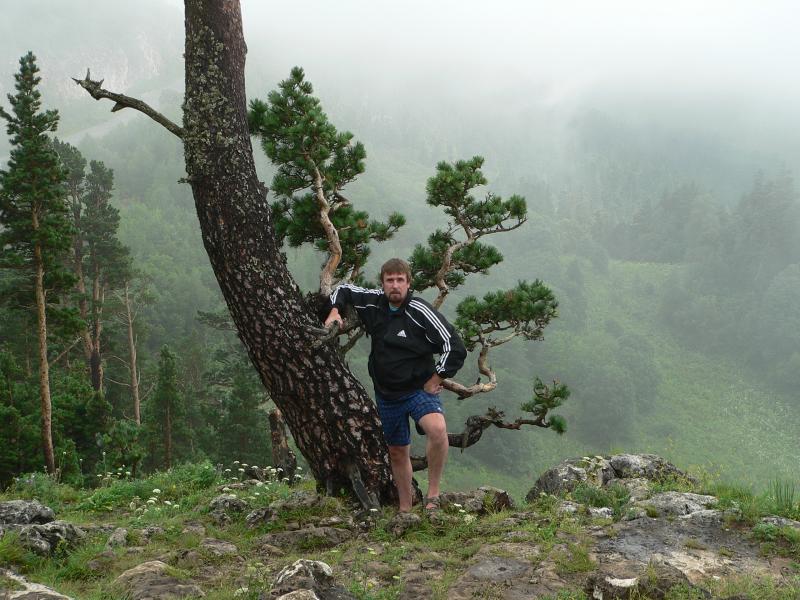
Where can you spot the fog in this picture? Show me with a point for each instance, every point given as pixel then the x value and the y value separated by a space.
pixel 647 138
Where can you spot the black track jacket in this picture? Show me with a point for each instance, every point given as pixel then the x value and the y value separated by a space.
pixel 403 341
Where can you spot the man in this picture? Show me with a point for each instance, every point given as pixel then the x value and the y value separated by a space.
pixel 406 332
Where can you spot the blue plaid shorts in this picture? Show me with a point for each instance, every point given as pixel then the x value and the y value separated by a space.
pixel 394 414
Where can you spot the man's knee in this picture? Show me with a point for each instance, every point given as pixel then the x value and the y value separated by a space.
pixel 435 427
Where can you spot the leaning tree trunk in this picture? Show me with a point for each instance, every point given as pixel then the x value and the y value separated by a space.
pixel 330 415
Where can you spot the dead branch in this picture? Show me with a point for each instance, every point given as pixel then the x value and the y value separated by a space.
pixel 65 351
pixel 96 91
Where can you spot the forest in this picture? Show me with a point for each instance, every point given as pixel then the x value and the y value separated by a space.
pixel 673 255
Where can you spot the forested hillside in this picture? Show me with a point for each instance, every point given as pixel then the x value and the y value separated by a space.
pixel 674 255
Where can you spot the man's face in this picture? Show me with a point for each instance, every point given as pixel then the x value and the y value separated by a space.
pixel 395 286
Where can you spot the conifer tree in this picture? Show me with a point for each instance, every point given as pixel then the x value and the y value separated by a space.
pixel 36 232
pixel 166 405
pixel 315 162
pixel 100 262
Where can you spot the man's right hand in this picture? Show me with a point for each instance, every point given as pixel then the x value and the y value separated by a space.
pixel 334 317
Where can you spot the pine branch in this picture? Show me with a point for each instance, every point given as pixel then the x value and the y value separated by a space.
pixel 121 101
pixel 474 427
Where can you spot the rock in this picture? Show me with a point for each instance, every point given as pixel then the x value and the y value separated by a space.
pixel 678 503
pixel 603 512
pixel 638 488
pixel 102 562
pixel 497 568
pixel 297 500
pixel 194 528
pixel 403 521
pixel 227 503
pixel 300 595
pixel 118 539
pixel 648 466
pixel 606 587
pixel 309 576
pixel 220 518
pixel 601 471
pixel 270 550
pixel 566 476
pixel 494 499
pixel 218 547
pixel 780 521
pixel 151 581
pixel 150 532
pixel 260 516
pixel 659 578
pixel 481 501
pixel 16 587
pixel 44 539
pixel 492 573
pixel 317 537
pixel 24 512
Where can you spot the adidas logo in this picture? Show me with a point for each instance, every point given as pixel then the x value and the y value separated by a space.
pixel 402 333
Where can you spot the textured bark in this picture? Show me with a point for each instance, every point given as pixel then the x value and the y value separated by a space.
pixel 44 367
pixel 330 415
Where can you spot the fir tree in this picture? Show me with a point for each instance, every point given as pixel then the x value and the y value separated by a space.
pixel 36 234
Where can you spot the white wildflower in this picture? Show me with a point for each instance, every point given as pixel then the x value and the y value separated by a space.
pixel 156 491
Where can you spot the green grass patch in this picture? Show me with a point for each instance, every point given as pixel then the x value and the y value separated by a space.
pixel 614 496
pixel 573 559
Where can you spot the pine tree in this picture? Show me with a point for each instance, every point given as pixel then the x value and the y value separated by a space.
pixel 315 162
pixel 36 234
pixel 166 406
pixel 100 262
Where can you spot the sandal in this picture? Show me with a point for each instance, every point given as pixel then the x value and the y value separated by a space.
pixel 435 501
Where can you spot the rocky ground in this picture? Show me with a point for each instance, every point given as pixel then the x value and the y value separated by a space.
pixel 622 526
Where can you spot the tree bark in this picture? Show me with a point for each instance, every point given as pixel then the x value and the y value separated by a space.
pixel 330 415
pixel 44 367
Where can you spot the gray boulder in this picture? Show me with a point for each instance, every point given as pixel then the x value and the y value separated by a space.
pixel 678 504
pixel 118 539
pixel 603 470
pixel 24 512
pixel 16 587
pixel 308 579
pixel 45 538
pixel 320 537
pixel 151 580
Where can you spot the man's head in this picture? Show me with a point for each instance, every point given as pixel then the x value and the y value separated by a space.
pixel 396 280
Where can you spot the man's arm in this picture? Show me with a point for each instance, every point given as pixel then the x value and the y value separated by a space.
pixel 347 294
pixel 443 335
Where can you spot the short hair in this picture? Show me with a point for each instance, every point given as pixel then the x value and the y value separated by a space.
pixel 396 265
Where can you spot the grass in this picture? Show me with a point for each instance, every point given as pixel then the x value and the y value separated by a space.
pixel 614 496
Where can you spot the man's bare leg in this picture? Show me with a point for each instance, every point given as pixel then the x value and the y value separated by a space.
pixel 436 431
pixel 400 459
